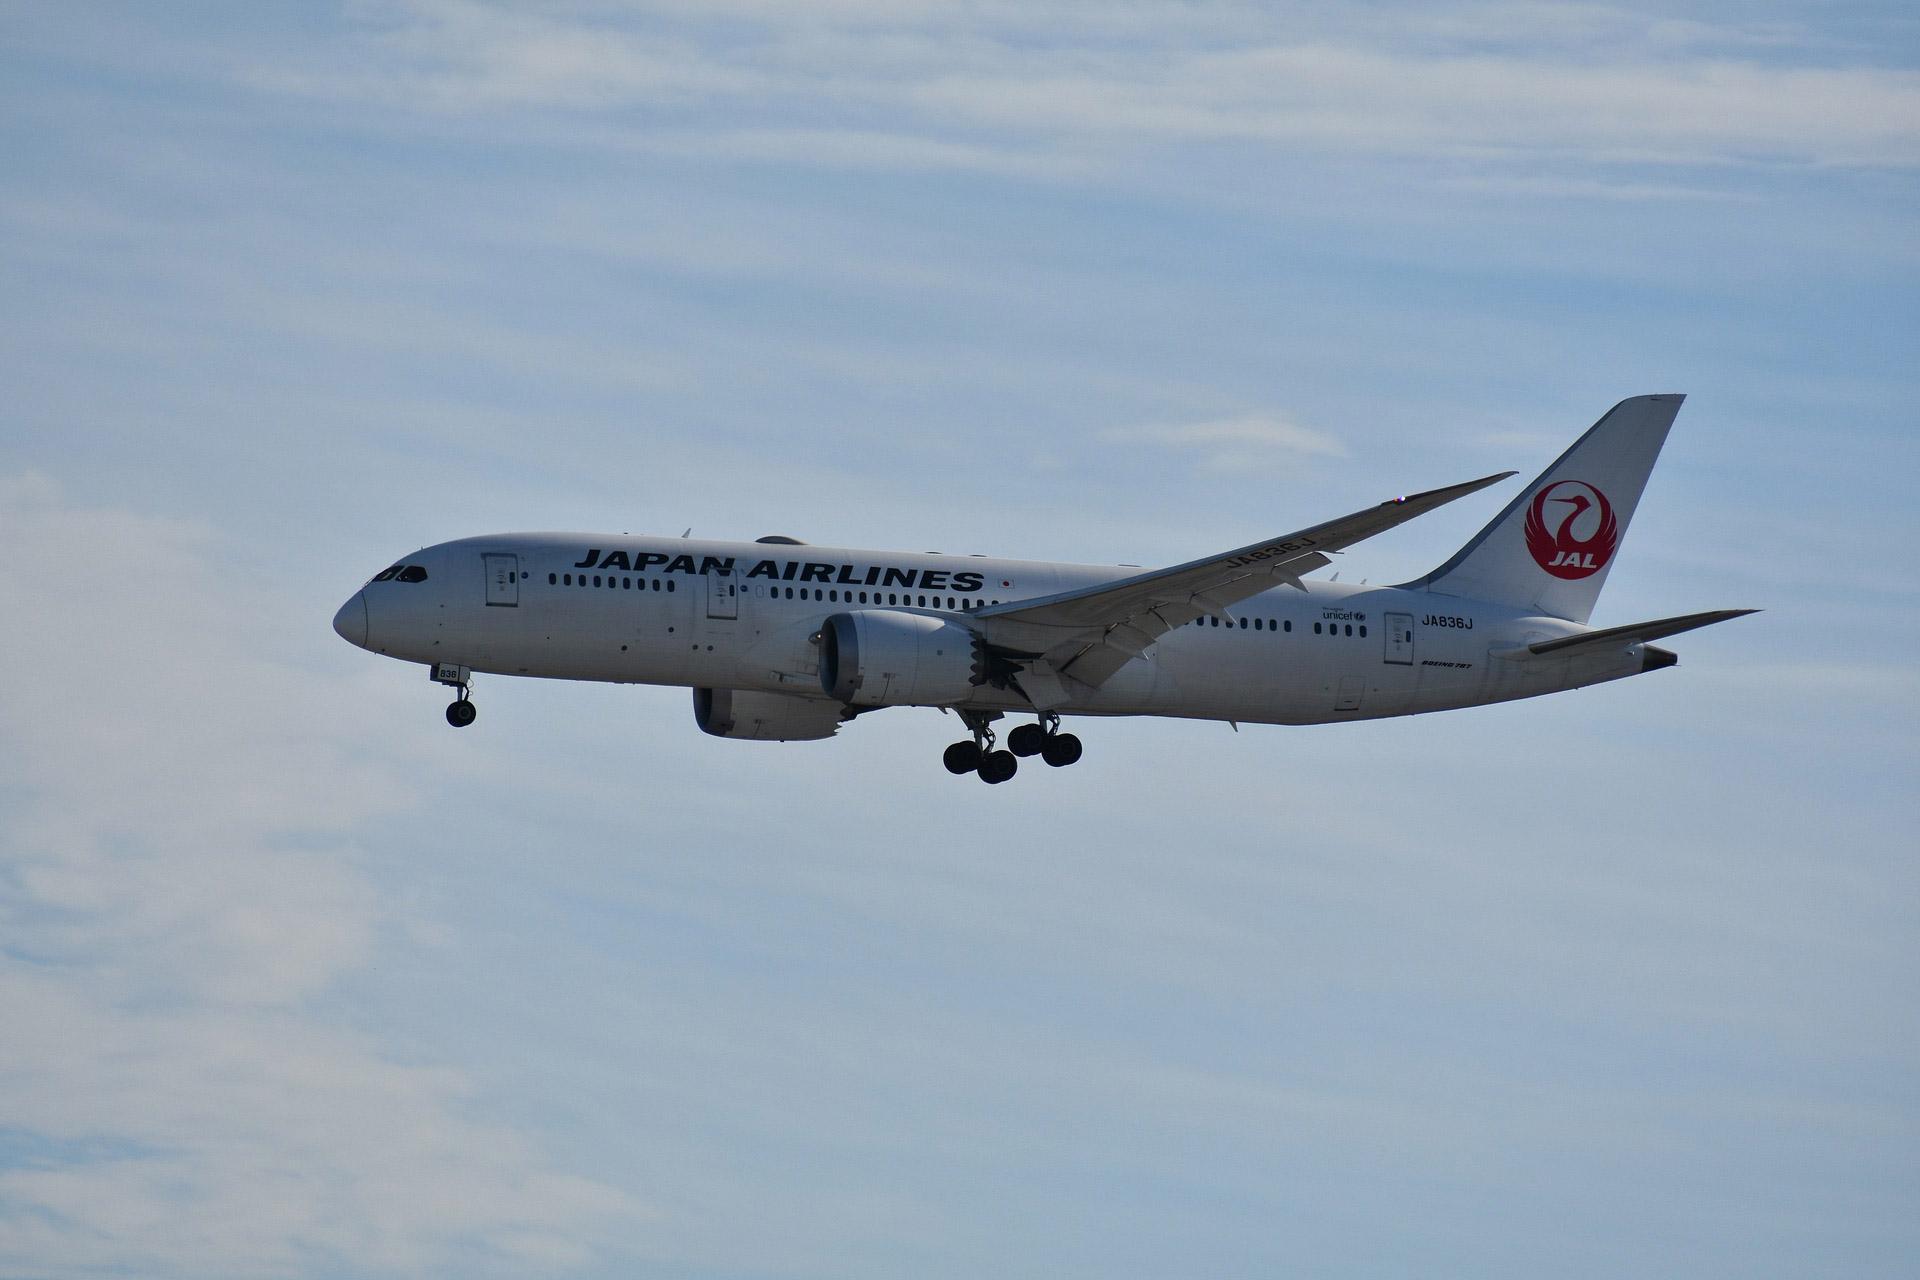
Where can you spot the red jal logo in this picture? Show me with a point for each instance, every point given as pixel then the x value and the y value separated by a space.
pixel 1553 534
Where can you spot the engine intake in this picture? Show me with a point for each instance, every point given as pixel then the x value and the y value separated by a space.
pixel 891 658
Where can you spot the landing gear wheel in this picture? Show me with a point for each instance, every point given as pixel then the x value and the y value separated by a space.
pixel 1061 750
pixel 461 714
pixel 997 766
pixel 1027 740
pixel 962 757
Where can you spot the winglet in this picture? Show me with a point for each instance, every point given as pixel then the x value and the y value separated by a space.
pixel 1440 497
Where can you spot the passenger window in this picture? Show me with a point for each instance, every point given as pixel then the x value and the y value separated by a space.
pixel 1363 631
pixel 626 584
pixel 1287 625
pixel 569 580
pixel 1243 624
pixel 863 597
pixel 1316 628
pixel 552 578
pixel 1349 628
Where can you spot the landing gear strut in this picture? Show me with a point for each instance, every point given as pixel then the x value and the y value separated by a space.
pixel 981 755
pixel 1042 739
pixel 1045 740
pixel 461 712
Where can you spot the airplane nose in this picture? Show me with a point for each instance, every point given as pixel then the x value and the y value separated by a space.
pixel 351 621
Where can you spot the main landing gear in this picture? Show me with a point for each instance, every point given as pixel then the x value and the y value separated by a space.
pixel 461 712
pixel 995 766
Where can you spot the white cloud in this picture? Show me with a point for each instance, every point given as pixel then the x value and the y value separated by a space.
pixel 180 895
pixel 1017 89
pixel 1248 442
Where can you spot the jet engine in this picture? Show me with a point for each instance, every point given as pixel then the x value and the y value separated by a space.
pixel 764 717
pixel 890 658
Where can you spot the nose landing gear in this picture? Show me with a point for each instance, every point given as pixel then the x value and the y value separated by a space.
pixel 1043 739
pixel 461 712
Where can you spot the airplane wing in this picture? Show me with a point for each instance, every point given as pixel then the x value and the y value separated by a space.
pixel 1623 637
pixel 1087 634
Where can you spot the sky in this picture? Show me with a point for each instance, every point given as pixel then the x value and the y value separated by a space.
pixel 296 981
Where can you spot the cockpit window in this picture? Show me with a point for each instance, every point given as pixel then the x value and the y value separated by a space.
pixel 402 573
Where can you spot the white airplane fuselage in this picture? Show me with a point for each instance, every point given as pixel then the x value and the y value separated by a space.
pixel 781 641
pixel 748 616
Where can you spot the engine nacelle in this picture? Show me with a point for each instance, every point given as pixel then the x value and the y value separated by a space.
pixel 889 658
pixel 764 717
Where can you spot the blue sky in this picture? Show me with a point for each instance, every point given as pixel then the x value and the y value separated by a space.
pixel 295 981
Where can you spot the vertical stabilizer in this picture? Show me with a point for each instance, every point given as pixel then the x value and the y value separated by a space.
pixel 1551 549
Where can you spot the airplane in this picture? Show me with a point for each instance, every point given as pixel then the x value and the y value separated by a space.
pixel 783 641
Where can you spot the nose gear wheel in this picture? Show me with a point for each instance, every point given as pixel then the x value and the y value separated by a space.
pixel 461 712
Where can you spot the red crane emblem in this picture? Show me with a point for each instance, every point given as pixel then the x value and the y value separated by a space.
pixel 1558 548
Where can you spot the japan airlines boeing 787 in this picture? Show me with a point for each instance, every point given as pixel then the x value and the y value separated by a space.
pixel 783 641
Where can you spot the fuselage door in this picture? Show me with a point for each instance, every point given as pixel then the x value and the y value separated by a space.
pixel 503 580
pixel 723 593
pixel 1400 638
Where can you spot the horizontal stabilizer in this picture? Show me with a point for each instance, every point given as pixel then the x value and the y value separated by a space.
pixel 1632 634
